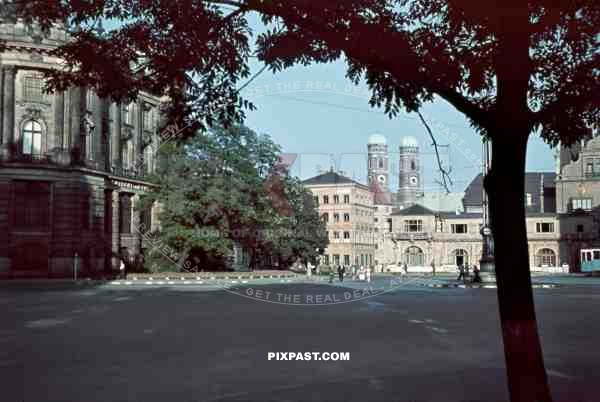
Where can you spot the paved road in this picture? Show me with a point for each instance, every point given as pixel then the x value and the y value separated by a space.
pixel 193 343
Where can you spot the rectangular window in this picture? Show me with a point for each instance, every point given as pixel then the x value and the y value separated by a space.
pixel 336 218
pixel 316 200
pixel 148 119
pixel 346 235
pixel 336 199
pixel 128 111
pixel 346 199
pixel 413 226
pixel 32 205
pixel 346 217
pixel 145 220
pixel 325 199
pixel 545 227
pixel 89 100
pixel 389 222
pixel 325 217
pixel 596 254
pixel 86 205
pixel 346 259
pixel 581 203
pixel 326 259
pixel 579 228
pixel 336 235
pixel 336 259
pixel 125 214
pixel 589 169
pixel 458 228
pixel 33 89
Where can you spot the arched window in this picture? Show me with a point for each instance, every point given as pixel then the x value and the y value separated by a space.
pixel 32 138
pixel 413 256
pixel 413 166
pixel 380 163
pixel 546 257
pixel 459 257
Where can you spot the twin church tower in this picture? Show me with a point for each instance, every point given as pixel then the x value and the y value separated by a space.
pixel 410 181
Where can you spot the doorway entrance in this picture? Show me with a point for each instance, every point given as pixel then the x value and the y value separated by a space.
pixel 461 257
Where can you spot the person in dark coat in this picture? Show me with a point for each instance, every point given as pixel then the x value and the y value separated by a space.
pixel 461 272
pixel 476 277
pixel 341 271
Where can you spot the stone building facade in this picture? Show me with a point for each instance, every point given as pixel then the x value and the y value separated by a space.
pixel 72 166
pixel 562 214
pixel 347 208
pixel 578 198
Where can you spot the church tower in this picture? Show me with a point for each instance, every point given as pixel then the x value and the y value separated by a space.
pixel 378 168
pixel 410 182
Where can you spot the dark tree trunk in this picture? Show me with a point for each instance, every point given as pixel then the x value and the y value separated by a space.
pixel 527 379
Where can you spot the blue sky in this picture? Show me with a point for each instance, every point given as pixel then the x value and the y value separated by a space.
pixel 317 113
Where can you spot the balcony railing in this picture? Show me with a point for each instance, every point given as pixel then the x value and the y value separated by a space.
pixel 138 174
pixel 30 158
pixel 592 174
pixel 410 236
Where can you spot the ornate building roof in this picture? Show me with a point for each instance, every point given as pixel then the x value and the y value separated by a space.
pixel 329 178
pixel 409 142
pixel 533 182
pixel 377 139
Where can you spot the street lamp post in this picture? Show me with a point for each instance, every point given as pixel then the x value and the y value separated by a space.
pixel 486 263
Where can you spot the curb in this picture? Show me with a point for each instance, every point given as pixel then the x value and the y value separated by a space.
pixel 463 286
pixel 197 281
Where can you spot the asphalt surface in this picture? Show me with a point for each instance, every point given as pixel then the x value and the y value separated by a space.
pixel 193 343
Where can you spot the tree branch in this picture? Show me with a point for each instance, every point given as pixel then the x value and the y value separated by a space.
pixel 445 174
pixel 352 42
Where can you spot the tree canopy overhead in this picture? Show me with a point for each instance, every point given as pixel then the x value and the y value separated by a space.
pixel 449 48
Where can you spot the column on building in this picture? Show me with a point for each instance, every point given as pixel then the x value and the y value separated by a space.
pixel 139 136
pixel 75 95
pixel 105 133
pixel 59 117
pixel 1 105
pixel 96 134
pixel 8 105
pixel 115 139
pixel 108 229
pixel 115 234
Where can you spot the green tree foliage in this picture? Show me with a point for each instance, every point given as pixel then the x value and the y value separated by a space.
pixel 211 195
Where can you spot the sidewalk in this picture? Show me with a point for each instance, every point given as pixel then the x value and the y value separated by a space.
pixel 537 279
pixel 217 279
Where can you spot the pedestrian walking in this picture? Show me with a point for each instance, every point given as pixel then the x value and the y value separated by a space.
pixel 467 274
pixel 432 268
pixel 122 273
pixel 476 277
pixel 368 275
pixel 405 269
pixel 461 272
pixel 341 270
